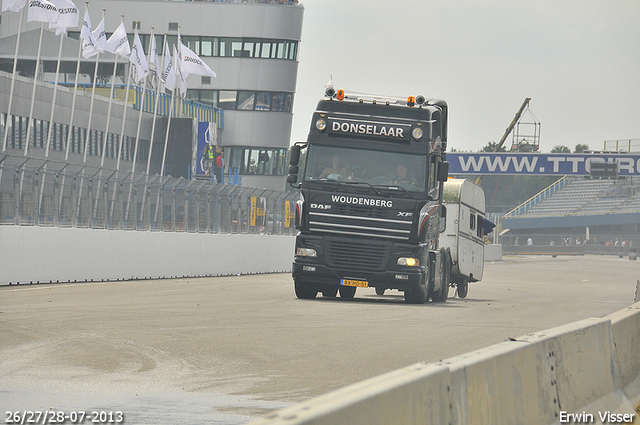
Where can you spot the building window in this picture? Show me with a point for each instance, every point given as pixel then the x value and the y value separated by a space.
pixel 220 46
pixel 256 161
pixel 246 100
pixel 263 101
pixel 206 81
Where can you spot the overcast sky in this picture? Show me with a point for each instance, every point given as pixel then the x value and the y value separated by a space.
pixel 578 61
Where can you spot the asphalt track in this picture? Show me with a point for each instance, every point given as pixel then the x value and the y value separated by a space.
pixel 227 349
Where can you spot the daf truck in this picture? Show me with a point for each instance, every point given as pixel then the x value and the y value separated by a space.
pixel 370 213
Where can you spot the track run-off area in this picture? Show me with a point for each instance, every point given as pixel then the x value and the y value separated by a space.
pixel 229 349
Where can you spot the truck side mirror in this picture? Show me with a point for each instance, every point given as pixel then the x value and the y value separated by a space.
pixel 294 156
pixel 443 219
pixel 292 178
pixel 443 171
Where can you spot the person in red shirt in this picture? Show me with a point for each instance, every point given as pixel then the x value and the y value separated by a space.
pixel 220 166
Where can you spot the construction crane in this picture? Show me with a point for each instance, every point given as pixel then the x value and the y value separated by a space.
pixel 509 129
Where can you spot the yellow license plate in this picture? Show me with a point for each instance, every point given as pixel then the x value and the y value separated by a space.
pixel 358 283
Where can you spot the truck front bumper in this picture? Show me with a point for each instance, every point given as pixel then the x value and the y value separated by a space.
pixel 313 272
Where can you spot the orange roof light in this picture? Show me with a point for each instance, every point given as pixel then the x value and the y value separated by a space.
pixel 411 101
pixel 340 95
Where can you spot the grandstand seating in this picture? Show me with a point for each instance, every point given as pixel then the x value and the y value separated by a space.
pixel 585 197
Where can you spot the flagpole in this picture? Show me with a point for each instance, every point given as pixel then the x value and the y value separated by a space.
pixel 144 92
pixel 75 94
pixel 140 111
pixel 53 102
pixel 166 138
pixel 73 110
pixel 111 93
pixel 124 116
pixel 93 96
pixel 13 81
pixel 155 109
pixel 53 107
pixel 33 92
pixel 121 142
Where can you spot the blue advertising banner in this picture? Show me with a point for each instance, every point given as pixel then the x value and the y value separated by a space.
pixel 206 138
pixel 539 163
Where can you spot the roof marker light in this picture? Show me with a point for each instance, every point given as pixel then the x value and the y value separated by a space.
pixel 340 95
pixel 411 101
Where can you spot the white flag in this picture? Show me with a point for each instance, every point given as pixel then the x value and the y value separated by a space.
pixel 168 75
pixel 153 56
pixel 42 11
pixel 100 36
pixel 181 76
pixel 118 43
pixel 68 16
pixel 89 44
pixel 13 5
pixel 192 64
pixel 138 60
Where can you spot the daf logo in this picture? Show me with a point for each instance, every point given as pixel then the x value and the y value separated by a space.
pixel 320 207
pixel 404 214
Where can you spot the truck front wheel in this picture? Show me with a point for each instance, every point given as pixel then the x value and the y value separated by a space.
pixel 416 296
pixel 305 290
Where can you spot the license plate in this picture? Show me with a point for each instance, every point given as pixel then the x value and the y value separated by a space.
pixel 358 283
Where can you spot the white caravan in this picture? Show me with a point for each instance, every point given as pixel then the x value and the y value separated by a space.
pixel 464 232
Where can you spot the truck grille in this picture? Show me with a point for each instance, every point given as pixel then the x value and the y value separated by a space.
pixel 357 255
pixel 360 221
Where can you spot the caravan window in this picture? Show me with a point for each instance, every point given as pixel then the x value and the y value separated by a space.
pixel 472 221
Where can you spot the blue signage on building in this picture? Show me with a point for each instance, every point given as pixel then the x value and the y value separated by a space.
pixel 539 163
pixel 207 134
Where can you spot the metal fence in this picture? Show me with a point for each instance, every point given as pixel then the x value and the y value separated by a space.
pixel 41 192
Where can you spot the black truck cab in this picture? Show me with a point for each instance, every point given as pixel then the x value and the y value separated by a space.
pixel 371 198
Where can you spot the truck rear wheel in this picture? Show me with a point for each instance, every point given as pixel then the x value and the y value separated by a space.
pixel 445 276
pixel 305 290
pixel 347 291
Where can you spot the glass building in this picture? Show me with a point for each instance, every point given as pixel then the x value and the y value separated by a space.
pixel 253 48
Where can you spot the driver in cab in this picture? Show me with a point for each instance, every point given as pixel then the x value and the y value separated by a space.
pixel 401 176
pixel 336 168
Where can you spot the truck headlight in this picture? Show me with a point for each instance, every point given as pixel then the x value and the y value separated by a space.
pixel 408 261
pixel 417 133
pixel 321 124
pixel 306 252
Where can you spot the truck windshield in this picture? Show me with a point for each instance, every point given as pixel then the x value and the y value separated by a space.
pixel 376 168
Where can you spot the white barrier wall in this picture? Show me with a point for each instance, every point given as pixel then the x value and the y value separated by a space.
pixel 493 252
pixel 590 367
pixel 50 254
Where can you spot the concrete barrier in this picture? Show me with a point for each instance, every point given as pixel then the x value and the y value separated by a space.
pixel 52 254
pixel 493 252
pixel 589 368
pixel 588 249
